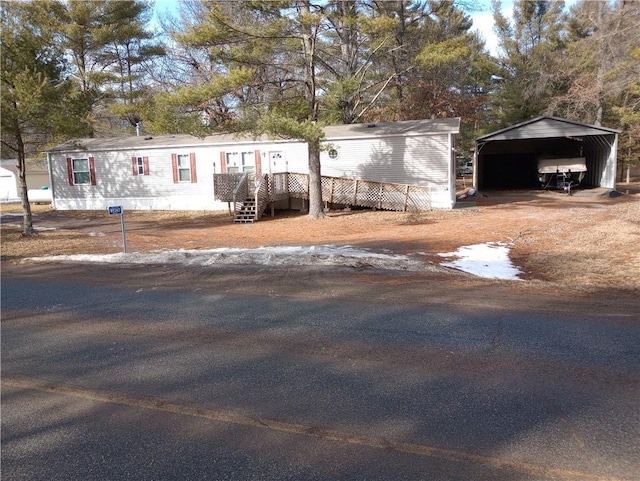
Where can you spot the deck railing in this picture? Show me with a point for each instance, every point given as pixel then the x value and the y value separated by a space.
pixel 262 195
pixel 240 192
pixel 279 186
pixel 335 190
pixel 364 193
pixel 224 185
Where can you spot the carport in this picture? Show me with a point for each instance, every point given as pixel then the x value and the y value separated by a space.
pixel 508 158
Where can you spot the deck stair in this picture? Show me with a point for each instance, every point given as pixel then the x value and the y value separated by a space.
pixel 246 212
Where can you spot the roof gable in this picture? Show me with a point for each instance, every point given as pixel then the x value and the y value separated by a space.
pixel 546 127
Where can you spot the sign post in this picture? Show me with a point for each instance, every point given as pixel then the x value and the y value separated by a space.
pixel 117 209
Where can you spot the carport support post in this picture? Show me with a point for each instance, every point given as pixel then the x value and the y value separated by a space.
pixel 475 167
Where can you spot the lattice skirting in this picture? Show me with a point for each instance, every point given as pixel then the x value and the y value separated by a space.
pixel 335 190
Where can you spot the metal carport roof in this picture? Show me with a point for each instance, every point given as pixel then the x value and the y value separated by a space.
pixel 510 154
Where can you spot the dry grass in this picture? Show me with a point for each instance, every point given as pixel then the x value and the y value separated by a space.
pixel 586 240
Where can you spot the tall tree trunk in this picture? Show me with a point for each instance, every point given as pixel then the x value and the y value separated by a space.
pixel 316 207
pixel 601 59
pixel 27 229
pixel 398 59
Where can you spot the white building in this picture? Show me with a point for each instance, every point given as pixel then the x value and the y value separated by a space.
pixel 8 186
pixel 175 172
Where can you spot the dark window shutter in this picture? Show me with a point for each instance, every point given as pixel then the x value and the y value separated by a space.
pixel 134 164
pixel 145 165
pixel 192 160
pixel 92 170
pixel 174 161
pixel 258 159
pixel 223 162
pixel 70 170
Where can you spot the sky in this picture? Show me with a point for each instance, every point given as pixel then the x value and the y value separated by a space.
pixel 482 18
pixel 483 24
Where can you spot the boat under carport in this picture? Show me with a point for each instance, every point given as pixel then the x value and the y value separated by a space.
pixel 508 158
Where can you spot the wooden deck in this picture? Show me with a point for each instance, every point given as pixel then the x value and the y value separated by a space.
pixel 249 202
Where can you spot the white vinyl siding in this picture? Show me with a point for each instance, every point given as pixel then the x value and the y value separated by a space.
pixel 417 160
pixel 118 186
pixel 402 160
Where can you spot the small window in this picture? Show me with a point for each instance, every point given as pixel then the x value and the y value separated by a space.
pixel 140 165
pixel 333 154
pixel 233 166
pixel 248 162
pixel 81 172
pixel 184 168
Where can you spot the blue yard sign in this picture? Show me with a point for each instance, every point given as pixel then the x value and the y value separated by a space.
pixel 117 209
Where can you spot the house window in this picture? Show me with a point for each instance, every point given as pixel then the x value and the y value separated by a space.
pixel 184 168
pixel 248 162
pixel 233 163
pixel 333 154
pixel 140 165
pixel 81 171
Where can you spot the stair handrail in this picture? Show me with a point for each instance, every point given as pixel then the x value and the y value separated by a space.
pixel 262 195
pixel 241 191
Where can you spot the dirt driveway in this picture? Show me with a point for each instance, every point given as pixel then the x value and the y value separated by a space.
pixel 588 241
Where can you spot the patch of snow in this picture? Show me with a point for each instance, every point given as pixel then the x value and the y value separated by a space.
pixel 490 260
pixel 483 260
pixel 35 227
pixel 269 256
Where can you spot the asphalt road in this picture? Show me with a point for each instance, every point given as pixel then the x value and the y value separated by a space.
pixel 158 373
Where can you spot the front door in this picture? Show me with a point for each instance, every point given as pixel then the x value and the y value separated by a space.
pixel 277 163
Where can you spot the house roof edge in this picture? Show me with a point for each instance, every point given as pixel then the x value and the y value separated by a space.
pixel 540 118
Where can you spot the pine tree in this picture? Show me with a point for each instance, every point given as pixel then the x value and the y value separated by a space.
pixel 38 101
pixel 530 47
pixel 261 58
pixel 601 68
pixel 111 52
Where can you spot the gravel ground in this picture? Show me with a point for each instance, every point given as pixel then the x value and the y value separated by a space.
pixel 586 241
